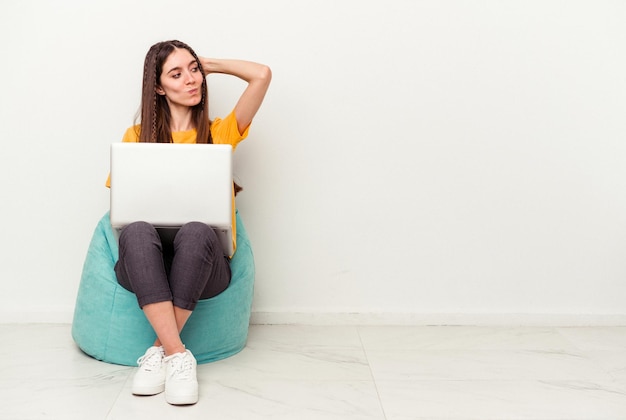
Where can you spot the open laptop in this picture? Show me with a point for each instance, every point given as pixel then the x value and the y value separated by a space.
pixel 168 185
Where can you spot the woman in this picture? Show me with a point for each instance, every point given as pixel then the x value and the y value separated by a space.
pixel 169 273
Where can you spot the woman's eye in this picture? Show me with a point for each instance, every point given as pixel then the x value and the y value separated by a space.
pixel 176 76
pixel 194 69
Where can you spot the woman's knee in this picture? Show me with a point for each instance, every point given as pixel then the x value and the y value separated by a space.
pixel 137 231
pixel 196 234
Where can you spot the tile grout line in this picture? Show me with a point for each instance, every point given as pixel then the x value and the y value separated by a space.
pixel 380 401
pixel 119 394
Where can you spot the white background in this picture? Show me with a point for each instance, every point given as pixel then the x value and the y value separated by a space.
pixel 414 161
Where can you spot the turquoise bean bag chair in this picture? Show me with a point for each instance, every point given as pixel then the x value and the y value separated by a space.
pixel 109 325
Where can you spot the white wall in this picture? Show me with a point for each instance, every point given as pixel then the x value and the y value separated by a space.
pixel 414 161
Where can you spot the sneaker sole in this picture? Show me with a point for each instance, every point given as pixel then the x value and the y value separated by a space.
pixel 149 390
pixel 181 399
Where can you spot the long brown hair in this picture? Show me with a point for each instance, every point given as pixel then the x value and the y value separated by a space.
pixel 155 112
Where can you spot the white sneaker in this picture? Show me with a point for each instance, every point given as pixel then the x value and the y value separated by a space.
pixel 181 385
pixel 150 377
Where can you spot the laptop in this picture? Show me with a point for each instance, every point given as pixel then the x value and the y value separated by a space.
pixel 170 184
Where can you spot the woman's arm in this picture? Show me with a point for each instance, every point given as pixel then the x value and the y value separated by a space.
pixel 258 76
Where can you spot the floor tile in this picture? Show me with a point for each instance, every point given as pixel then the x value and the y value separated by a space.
pixel 307 337
pixel 50 378
pixel 321 364
pixel 596 338
pixel 343 372
pixel 261 399
pixel 495 365
pixel 461 337
pixel 612 361
pixel 501 400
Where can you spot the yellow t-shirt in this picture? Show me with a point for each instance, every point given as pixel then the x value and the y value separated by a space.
pixel 223 131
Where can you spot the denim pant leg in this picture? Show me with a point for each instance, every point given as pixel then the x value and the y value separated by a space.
pixel 199 270
pixel 141 267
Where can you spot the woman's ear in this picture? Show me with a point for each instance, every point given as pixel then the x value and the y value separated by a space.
pixel 159 90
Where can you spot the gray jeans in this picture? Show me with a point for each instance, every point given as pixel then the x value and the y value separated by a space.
pixel 179 265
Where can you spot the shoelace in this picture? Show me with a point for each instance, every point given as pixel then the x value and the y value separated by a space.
pixel 181 366
pixel 151 361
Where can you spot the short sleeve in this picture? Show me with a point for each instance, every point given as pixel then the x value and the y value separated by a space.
pixel 225 131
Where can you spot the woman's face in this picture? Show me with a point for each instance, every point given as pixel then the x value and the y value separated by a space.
pixel 181 79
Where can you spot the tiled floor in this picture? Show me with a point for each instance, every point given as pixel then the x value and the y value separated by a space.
pixel 343 373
